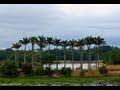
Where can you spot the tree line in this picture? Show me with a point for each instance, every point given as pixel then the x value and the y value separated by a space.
pixel 8 53
pixel 42 42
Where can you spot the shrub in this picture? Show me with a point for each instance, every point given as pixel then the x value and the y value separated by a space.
pixel 48 71
pixel 27 69
pixel 66 71
pixel 63 71
pixel 103 70
pixel 82 73
pixel 39 71
pixel 8 69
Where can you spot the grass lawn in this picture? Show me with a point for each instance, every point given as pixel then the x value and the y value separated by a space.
pixel 47 80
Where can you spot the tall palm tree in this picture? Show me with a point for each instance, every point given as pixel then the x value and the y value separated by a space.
pixel 98 41
pixel 16 46
pixel 56 42
pixel 80 43
pixel 49 41
pixel 41 42
pixel 24 41
pixel 95 43
pixel 88 42
pixel 72 44
pixel 64 44
pixel 33 40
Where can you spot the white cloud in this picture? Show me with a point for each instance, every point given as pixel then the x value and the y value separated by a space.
pixel 59 20
pixel 89 9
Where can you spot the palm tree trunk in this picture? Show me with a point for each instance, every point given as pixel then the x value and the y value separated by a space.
pixel 81 58
pixel 49 49
pixel 41 56
pixel 65 57
pixel 32 55
pixel 72 59
pixel 25 55
pixel 88 55
pixel 49 65
pixel 89 59
pixel 57 59
pixel 16 57
pixel 98 56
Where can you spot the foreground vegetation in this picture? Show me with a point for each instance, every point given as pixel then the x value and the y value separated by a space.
pixel 49 80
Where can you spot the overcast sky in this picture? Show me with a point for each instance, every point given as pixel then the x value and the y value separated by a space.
pixel 64 21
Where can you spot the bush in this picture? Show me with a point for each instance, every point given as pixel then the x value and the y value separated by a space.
pixel 66 71
pixel 63 71
pixel 27 69
pixel 39 71
pixel 103 70
pixel 82 73
pixel 48 71
pixel 8 69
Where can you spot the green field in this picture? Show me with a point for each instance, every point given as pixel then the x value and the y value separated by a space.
pixel 46 81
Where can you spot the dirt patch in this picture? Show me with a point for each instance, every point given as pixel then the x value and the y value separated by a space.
pixel 75 73
pixel 88 73
pixel 21 74
pixel 113 70
pixel 92 73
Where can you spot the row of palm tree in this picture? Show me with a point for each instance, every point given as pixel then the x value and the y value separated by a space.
pixel 42 42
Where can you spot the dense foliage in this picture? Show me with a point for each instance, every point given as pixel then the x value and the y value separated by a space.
pixel 9 54
pixel 8 69
pixel 48 71
pixel 39 70
pixel 103 70
pixel 112 56
pixel 46 58
pixel 66 71
pixel 27 69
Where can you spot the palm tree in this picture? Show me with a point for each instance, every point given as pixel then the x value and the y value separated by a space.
pixel 16 46
pixel 64 44
pixel 33 40
pixel 56 42
pixel 72 44
pixel 41 42
pixel 98 41
pixel 25 41
pixel 80 43
pixel 49 41
pixel 95 42
pixel 88 42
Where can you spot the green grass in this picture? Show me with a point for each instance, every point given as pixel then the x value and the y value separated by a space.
pixel 46 80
